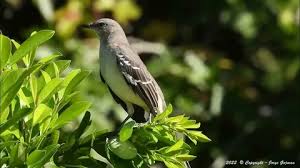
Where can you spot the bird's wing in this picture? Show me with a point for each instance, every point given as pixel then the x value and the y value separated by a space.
pixel 138 77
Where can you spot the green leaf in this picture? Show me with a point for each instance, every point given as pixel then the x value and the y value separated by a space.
pixel 124 150
pixel 55 136
pixel 11 131
pixel 59 65
pixel 8 79
pixel 14 159
pixel 70 76
pixel 16 44
pixel 31 43
pixel 13 90
pixel 46 76
pixel 185 157
pixel 49 58
pixel 71 113
pixel 67 99
pixel 39 158
pixel 26 100
pixel 164 114
pixel 198 136
pixel 3 115
pixel 34 87
pixel 86 138
pixel 40 113
pixel 126 131
pixel 177 146
pixel 14 119
pixel 49 90
pixel 31 55
pixel 172 165
pixel 5 50
pixel 75 81
pixel 35 157
pixel 175 119
pixel 100 158
pixel 190 124
pixel 56 70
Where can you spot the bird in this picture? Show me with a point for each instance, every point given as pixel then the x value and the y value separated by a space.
pixel 124 73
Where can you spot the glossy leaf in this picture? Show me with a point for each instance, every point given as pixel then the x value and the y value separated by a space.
pixel 49 90
pixel 75 81
pixel 198 136
pixel 71 113
pixel 15 118
pixel 164 114
pixel 13 90
pixel 177 146
pixel 39 158
pixel 46 76
pixel 185 157
pixel 31 43
pixel 124 150
pixel 41 112
pixel 126 131
pixel 57 67
pixel 33 86
pixel 49 58
pixel 5 50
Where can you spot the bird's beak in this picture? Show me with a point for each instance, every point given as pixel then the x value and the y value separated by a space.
pixel 85 26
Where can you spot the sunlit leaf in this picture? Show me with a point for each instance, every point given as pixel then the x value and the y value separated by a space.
pixel 71 113
pixel 126 131
pixel 39 158
pixel 13 90
pixel 124 150
pixel 41 112
pixel 198 135
pixel 5 50
pixel 176 146
pixel 97 156
pixel 49 58
pixel 49 89
pixel 46 76
pixel 31 43
pixel 8 79
pixel 165 114
pixel 75 81
pixel 23 98
pixel 185 157
pixel 57 67
pixel 33 86
pixel 190 124
pixel 15 118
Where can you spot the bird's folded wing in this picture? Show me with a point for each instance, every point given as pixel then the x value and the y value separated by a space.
pixel 138 77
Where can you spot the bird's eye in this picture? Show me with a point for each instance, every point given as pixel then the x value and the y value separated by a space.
pixel 101 24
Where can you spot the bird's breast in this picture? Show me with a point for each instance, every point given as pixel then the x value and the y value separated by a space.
pixel 115 80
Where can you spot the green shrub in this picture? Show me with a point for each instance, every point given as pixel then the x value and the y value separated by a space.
pixel 37 101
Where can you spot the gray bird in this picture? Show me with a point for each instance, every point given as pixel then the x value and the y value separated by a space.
pixel 121 69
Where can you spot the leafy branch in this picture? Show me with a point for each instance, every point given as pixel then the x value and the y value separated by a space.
pixel 158 141
pixel 37 101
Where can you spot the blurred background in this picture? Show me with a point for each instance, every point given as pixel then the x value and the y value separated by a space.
pixel 232 65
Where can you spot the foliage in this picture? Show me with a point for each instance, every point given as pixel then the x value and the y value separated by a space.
pixel 158 141
pixel 36 102
pixel 234 65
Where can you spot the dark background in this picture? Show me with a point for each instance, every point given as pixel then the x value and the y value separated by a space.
pixel 232 65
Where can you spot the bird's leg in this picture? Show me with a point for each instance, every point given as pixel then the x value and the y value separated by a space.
pixel 150 118
pixel 130 111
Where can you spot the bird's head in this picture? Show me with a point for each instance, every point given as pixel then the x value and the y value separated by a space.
pixel 105 27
